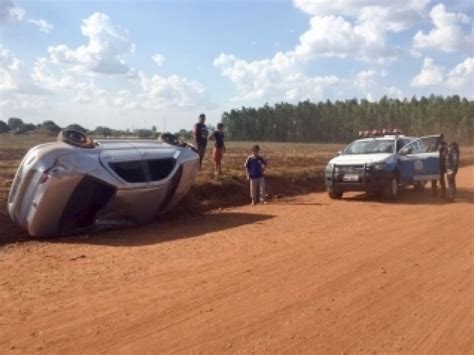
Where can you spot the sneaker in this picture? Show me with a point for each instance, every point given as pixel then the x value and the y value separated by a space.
pixel 253 203
pixel 264 203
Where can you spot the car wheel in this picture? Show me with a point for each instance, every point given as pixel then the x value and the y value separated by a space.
pixel 334 194
pixel 392 189
pixel 75 138
pixel 420 186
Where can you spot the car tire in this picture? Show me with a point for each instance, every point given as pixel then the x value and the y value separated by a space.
pixel 420 186
pixel 334 194
pixel 391 189
pixel 75 138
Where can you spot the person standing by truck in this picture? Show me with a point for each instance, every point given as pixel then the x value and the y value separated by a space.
pixel 219 148
pixel 442 149
pixel 452 164
pixel 200 134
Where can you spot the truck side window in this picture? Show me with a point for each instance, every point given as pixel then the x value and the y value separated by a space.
pixel 400 144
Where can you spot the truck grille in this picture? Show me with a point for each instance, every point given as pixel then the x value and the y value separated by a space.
pixel 350 169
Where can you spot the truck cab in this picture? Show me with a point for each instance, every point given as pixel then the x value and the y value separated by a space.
pixel 382 163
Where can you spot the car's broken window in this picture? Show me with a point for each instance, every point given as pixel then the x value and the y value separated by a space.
pixel 160 168
pixel 130 171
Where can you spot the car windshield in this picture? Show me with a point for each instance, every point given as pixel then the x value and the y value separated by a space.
pixel 370 147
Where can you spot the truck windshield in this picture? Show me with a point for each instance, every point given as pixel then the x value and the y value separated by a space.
pixel 370 147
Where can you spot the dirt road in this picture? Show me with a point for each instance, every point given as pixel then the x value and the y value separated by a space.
pixel 307 275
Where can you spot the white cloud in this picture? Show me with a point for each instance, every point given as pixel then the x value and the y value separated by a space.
pixel 270 79
pixel 42 25
pixel 370 84
pixel 447 34
pixel 67 70
pixel 341 29
pixel 14 77
pixel 159 59
pixel 11 14
pixel 366 79
pixel 172 91
pixel 9 70
pixel 330 36
pixel 394 15
pixel 430 74
pixel 105 51
pixel 461 78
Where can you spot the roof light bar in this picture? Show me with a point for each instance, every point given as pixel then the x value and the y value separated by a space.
pixel 378 132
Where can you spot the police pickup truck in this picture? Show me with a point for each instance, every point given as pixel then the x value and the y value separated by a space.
pixel 382 163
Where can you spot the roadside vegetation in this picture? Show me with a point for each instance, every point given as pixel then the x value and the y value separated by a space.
pixel 340 121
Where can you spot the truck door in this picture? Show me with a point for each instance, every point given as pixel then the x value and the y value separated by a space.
pixel 419 160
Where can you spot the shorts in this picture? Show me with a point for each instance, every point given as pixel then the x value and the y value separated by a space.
pixel 217 154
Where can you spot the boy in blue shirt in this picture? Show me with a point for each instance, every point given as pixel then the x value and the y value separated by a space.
pixel 255 166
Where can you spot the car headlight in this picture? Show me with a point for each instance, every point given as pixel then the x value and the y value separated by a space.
pixel 329 167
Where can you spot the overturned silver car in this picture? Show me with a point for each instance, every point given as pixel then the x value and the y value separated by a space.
pixel 77 185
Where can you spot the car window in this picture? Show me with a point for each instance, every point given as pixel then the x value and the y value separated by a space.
pixel 400 144
pixel 415 147
pixel 130 171
pixel 160 168
pixel 370 147
pixel 431 143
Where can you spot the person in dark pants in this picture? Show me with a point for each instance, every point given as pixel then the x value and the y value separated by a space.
pixel 200 134
pixel 442 149
pixel 219 148
pixel 452 164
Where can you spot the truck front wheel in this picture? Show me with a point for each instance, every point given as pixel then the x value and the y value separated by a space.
pixel 334 194
pixel 391 189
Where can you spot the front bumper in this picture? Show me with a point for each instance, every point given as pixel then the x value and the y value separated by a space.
pixel 357 178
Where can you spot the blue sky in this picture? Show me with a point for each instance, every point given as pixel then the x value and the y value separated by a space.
pixel 91 62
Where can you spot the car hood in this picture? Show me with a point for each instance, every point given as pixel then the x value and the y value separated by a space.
pixel 350 159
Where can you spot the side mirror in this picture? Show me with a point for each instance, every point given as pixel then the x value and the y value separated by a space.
pixel 403 152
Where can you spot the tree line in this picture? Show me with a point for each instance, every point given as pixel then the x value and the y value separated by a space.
pixel 16 126
pixel 340 121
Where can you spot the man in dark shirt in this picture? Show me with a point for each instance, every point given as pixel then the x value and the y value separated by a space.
pixel 452 164
pixel 219 148
pixel 200 134
pixel 442 149
pixel 255 166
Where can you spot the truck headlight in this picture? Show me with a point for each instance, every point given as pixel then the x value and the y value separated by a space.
pixel 329 167
pixel 378 166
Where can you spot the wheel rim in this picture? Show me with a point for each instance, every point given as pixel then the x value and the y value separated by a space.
pixel 394 187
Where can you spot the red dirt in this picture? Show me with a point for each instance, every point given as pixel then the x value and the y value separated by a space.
pixel 305 275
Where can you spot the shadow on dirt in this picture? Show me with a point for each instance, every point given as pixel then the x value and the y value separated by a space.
pixel 410 197
pixel 166 230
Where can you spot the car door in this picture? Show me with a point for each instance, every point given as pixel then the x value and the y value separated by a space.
pixel 419 160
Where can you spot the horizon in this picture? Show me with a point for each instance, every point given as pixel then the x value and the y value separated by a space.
pixel 96 64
